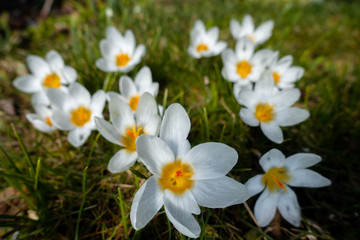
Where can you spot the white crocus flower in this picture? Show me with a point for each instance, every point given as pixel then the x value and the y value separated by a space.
pixel 247 29
pixel 130 91
pixel 183 178
pixel 50 72
pixel 270 108
pixel 205 43
pixel 119 53
pixel 244 66
pixel 126 126
pixel 280 173
pixel 75 110
pixel 42 118
pixel 285 75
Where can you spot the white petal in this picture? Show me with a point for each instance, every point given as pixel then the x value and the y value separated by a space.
pixel 213 35
pixel 154 89
pixel 244 49
pixel 79 94
pixel 263 57
pixel 272 131
pixel 235 28
pixel 107 130
pixel 98 102
pixel 127 87
pixel 129 41
pixel 247 25
pixel 55 60
pixel 248 117
pixel 284 63
pixel 147 202
pixel 231 75
pixel 106 65
pixel 211 160
pixel 57 98
pixel 182 220
pixel 143 79
pixel 152 127
pixel 219 47
pixel 185 201
pixel 238 87
pixel 175 126
pixel 108 49
pixel 121 161
pixel 121 115
pixel 69 74
pixel 228 57
pixel 192 52
pixel 199 26
pixel 263 32
pixel 289 207
pixel 247 98
pixel 37 66
pixel 78 136
pixel 271 159
pixel 146 108
pixel 307 178
pixel 255 185
pixel 285 98
pixel 28 84
pixel 40 98
pixel 265 207
pixel 61 120
pixel 291 116
pixel 301 160
pixel 264 86
pixel 39 124
pixel 138 53
pixel 114 36
pixel 154 153
pixel 292 74
pixel 219 193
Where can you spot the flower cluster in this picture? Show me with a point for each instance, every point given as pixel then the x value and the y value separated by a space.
pixel 183 177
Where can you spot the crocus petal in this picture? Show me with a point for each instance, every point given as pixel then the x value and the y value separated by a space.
pixel 105 65
pixel 55 60
pixel 247 98
pixel 127 87
pixel 271 159
pixel 213 35
pixel 69 74
pixel 129 41
pixel 114 36
pixel 291 116
pixel 199 26
pixel 79 94
pixel 265 86
pixel 121 115
pixel 248 117
pixel 61 120
pixel 272 131
pixel 98 102
pixel 289 207
pixel 152 127
pixel 244 49
pixel 228 57
pixel 147 202
pixel 138 53
pixel 39 124
pixel 146 108
pixel 292 74
pixel 78 136
pixel 285 98
pixel 247 26
pixel 219 193
pixel 219 47
pixel 307 178
pixel 28 84
pixel 182 220
pixel 185 201
pixel 255 185
pixel 284 63
pixel 175 126
pixel 37 66
pixel 40 98
pixel 263 32
pixel 154 153
pixel 265 207
pixel 301 160
pixel 143 79
pixel 121 161
pixel 58 99
pixel 235 28
pixel 211 160
pixel 107 130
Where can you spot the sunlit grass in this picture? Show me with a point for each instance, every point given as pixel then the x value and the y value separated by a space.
pixel 71 191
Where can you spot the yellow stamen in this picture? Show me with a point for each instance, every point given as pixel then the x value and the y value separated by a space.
pixel 122 59
pixel 276 178
pixel 133 102
pixel 201 47
pixel 243 68
pixel 276 77
pixel 176 176
pixel 129 139
pixel 52 81
pixel 80 116
pixel 48 121
pixel 264 112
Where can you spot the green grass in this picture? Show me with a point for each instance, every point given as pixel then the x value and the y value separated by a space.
pixel 71 191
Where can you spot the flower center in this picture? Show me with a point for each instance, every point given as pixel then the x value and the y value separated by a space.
pixel 276 178
pixel 129 139
pixel 80 116
pixel 52 81
pixel 276 77
pixel 202 47
pixel 264 112
pixel 133 102
pixel 243 68
pixel 48 121
pixel 176 176
pixel 122 59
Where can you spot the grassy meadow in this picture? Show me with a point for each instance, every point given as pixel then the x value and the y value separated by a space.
pixel 52 190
